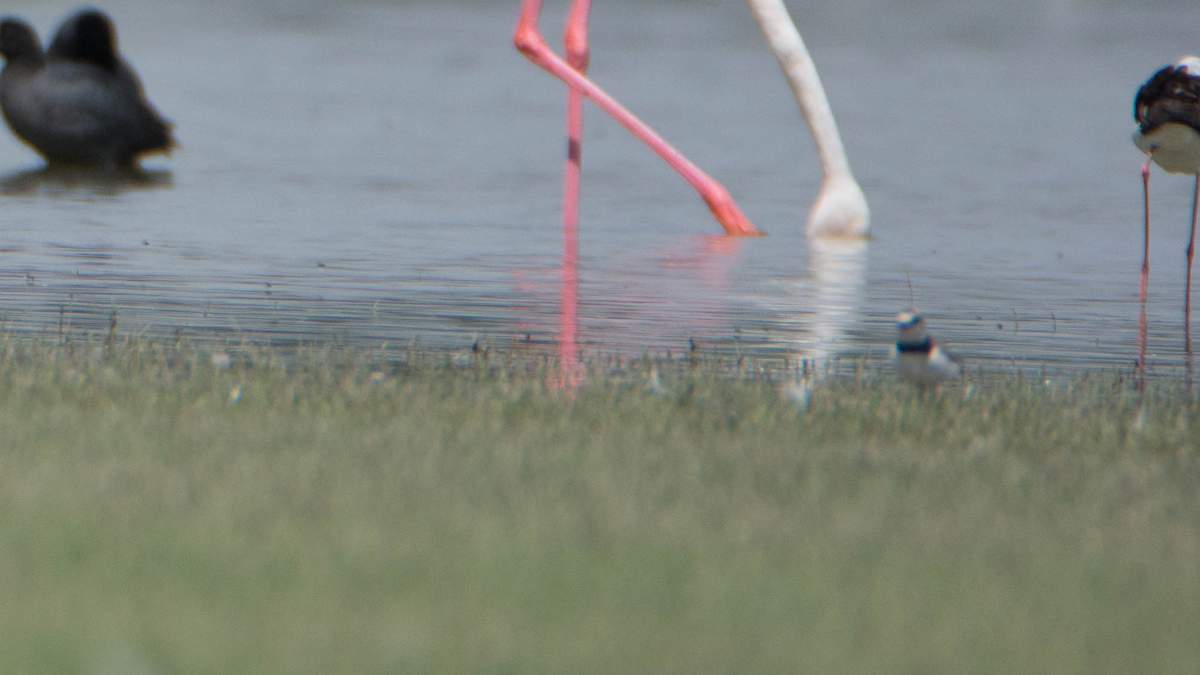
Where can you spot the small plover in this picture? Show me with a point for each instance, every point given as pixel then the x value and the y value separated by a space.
pixel 919 358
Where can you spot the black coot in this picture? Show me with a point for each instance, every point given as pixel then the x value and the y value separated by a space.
pixel 78 102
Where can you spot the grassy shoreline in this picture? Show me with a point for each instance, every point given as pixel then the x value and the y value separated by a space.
pixel 164 510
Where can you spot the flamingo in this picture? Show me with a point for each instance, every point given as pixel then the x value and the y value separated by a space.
pixel 1167 112
pixel 840 209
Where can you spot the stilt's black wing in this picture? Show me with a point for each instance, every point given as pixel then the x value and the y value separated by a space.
pixel 1174 91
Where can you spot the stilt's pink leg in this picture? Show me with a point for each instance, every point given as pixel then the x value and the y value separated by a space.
pixel 1146 229
pixel 530 43
pixel 1187 295
pixel 1142 329
pixel 1191 249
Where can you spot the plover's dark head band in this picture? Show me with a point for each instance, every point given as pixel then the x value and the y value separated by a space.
pixel 923 347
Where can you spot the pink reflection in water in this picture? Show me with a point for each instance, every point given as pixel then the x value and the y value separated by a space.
pixel 699 272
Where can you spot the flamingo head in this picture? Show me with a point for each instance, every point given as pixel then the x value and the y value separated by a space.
pixel 840 209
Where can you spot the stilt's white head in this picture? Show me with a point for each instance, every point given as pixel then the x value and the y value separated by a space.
pixel 840 209
pixel 1191 63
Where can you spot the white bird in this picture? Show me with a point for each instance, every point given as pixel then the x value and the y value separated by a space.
pixel 840 210
pixel 919 358
pixel 1167 112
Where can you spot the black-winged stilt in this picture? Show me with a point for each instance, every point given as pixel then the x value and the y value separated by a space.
pixel 1167 112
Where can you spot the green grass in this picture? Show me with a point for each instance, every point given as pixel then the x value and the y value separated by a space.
pixel 312 512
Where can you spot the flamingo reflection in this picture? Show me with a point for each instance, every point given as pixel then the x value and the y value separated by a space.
pixel 814 312
pixel 671 298
pixel 632 302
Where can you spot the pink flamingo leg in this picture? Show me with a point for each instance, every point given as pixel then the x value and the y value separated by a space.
pixel 530 43
pixel 570 368
pixel 575 39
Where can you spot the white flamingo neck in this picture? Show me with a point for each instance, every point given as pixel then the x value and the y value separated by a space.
pixel 801 73
pixel 845 214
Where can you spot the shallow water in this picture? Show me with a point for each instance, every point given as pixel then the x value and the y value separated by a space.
pixel 374 171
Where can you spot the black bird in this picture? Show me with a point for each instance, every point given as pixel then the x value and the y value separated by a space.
pixel 78 102
pixel 1167 112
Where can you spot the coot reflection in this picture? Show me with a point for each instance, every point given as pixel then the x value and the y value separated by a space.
pixel 78 102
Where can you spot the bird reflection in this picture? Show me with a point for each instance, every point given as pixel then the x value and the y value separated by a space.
pixel 100 181
pixel 642 303
pixel 813 313
pixel 570 369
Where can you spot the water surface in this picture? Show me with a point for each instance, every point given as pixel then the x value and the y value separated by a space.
pixel 378 172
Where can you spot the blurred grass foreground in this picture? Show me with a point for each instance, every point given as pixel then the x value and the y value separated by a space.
pixel 170 510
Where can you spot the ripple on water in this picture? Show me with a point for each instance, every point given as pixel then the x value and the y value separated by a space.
pixel 411 191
